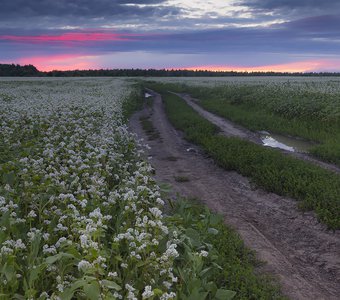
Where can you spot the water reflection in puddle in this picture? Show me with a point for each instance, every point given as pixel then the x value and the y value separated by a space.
pixel 147 95
pixel 283 142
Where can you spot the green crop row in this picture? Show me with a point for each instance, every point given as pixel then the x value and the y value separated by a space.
pixel 315 188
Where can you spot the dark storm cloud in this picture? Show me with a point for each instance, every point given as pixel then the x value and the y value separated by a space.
pixel 314 35
pixel 79 8
pixel 303 36
pixel 326 24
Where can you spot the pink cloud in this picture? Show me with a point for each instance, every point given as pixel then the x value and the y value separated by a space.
pixel 67 37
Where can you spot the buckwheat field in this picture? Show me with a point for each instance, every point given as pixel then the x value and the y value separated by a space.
pixel 79 212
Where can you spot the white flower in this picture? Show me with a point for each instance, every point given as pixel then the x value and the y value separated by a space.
pixel 112 274
pixel 84 241
pixel 129 287
pixel 156 212
pixel 171 251
pixel 203 253
pixel 46 236
pixel 148 293
pixel 167 296
pixel 83 265
pixel 50 250
pixel 19 244
pixel 31 214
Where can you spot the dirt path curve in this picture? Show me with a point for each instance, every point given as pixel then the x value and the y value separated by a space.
pixel 229 128
pixel 298 250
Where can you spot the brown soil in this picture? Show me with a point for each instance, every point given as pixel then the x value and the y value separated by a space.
pixel 299 251
pixel 229 128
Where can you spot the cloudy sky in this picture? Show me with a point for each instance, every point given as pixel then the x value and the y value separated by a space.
pixel 278 35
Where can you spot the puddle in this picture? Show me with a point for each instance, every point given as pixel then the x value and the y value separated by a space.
pixel 283 142
pixel 147 95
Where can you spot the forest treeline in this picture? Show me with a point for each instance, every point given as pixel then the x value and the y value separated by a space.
pixel 32 71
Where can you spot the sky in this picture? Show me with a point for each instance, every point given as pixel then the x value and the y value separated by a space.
pixel 239 35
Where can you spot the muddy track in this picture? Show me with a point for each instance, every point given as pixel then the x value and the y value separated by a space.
pixel 299 251
pixel 229 128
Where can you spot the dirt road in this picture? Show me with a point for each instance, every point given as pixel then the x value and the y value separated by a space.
pixel 299 251
pixel 229 128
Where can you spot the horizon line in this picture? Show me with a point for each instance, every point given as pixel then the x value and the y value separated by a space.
pixel 237 70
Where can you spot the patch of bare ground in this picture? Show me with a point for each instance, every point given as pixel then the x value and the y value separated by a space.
pixel 297 249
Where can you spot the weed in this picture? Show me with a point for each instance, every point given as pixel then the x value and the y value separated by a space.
pixel 181 178
pixel 150 130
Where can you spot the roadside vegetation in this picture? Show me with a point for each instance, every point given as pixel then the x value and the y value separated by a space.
pixel 213 255
pixel 304 110
pixel 315 188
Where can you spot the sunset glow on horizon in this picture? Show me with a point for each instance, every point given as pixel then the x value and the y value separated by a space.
pixel 64 62
pixel 294 67
pixel 67 62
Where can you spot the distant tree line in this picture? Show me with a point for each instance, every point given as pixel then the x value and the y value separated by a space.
pixel 32 71
pixel 17 70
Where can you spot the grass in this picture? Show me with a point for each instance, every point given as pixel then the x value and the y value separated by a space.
pixel 150 130
pixel 229 263
pixel 315 188
pixel 134 102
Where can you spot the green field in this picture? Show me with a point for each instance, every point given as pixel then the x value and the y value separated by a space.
pixel 303 109
pixel 315 188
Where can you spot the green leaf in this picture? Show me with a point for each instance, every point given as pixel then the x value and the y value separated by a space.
pixel 223 294
pixel 16 297
pixel 35 273
pixel 213 231
pixel 215 219
pixel 69 292
pixel 141 264
pixel 118 257
pixel 165 188
pixel 158 292
pixel 35 247
pixel 111 285
pixel 52 259
pixel 205 271
pixel 211 287
pixel 197 295
pixel 194 237
pixel 92 290
pixel 9 271
pixel 9 178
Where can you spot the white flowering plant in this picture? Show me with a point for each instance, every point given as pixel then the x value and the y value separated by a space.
pixel 80 214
